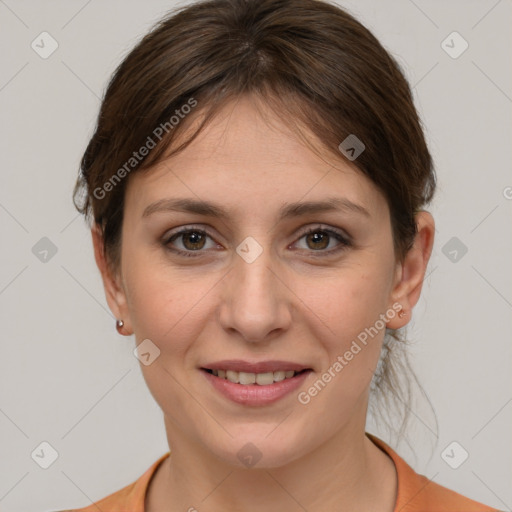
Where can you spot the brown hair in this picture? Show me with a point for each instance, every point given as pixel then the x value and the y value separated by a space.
pixel 309 59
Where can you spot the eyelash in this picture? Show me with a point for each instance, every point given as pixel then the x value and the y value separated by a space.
pixel 345 242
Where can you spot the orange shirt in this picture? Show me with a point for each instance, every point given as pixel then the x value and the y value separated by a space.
pixel 416 493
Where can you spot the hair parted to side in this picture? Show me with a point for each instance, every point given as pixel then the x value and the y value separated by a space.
pixel 315 65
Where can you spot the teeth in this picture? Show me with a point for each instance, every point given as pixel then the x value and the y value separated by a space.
pixel 233 376
pixel 279 376
pixel 245 378
pixel 264 379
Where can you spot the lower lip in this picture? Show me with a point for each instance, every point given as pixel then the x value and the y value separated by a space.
pixel 254 394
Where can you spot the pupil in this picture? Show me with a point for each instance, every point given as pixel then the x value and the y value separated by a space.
pixel 319 237
pixel 194 238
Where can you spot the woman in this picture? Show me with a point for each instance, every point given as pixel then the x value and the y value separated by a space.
pixel 256 183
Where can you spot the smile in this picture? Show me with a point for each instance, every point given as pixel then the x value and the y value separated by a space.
pixel 255 389
pixel 261 379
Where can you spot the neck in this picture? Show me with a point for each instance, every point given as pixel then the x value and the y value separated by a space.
pixel 347 473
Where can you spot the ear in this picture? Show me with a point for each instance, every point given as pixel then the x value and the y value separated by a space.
pixel 411 272
pixel 114 291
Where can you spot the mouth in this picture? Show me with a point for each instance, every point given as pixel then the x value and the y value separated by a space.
pixel 255 383
pixel 255 379
pixel 255 389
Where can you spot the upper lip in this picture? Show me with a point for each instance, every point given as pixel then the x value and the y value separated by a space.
pixel 238 365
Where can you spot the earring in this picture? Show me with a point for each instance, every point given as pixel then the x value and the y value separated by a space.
pixel 402 313
pixel 119 326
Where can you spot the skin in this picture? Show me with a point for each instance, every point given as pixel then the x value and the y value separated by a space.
pixel 294 303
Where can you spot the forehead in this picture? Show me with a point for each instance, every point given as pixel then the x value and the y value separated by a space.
pixel 244 158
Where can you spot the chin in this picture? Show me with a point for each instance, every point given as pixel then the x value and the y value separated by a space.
pixel 258 448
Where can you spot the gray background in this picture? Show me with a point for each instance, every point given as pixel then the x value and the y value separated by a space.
pixel 67 378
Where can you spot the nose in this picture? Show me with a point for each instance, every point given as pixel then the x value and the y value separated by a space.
pixel 256 301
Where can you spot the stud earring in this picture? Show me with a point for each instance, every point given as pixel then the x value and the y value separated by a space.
pixel 119 326
pixel 402 313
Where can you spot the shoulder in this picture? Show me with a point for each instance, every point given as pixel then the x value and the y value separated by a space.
pixel 420 492
pixel 130 497
pixel 113 502
pixel 417 493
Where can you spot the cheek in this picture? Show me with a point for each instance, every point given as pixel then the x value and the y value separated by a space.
pixel 350 302
pixel 165 306
pixel 160 307
pixel 347 311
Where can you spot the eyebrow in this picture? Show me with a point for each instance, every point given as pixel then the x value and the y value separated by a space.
pixel 288 210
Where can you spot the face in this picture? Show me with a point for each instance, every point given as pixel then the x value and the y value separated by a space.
pixel 257 286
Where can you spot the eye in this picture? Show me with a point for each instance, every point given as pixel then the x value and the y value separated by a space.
pixel 194 240
pixel 318 238
pixel 191 239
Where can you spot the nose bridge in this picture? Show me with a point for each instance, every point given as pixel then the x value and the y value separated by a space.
pixel 254 304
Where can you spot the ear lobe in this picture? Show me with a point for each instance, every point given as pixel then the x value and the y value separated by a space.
pixel 114 292
pixel 411 272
